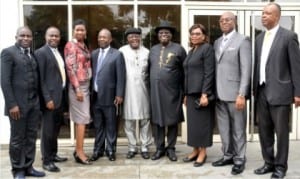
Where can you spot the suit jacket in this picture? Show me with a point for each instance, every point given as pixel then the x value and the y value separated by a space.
pixel 199 71
pixel 50 77
pixel 15 78
pixel 111 77
pixel 233 67
pixel 282 81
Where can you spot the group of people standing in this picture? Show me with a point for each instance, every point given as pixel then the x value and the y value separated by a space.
pixel 151 85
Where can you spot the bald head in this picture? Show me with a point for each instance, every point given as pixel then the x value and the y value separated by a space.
pixel 227 22
pixel 24 37
pixel 52 36
pixel 104 38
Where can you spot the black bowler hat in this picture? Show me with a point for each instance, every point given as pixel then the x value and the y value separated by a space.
pixel 165 25
pixel 133 30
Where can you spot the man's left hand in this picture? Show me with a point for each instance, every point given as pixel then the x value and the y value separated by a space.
pixel 297 101
pixel 118 100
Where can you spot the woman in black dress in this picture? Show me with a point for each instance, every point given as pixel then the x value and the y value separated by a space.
pixel 199 69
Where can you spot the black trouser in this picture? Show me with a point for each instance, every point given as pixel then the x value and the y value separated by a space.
pixel 105 122
pixel 51 122
pixel 273 119
pixel 159 136
pixel 23 137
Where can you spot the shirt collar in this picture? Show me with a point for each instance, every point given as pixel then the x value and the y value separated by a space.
pixel 274 29
pixel 229 35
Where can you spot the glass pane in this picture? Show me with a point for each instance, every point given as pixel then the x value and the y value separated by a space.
pixel 39 18
pixel 116 18
pixel 150 16
pixel 257 0
pixel 287 22
pixel 212 25
pixel 219 0
pixel 284 0
pixel 44 0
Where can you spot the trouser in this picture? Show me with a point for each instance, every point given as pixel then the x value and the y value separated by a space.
pixel 144 133
pixel 159 136
pixel 232 127
pixel 273 119
pixel 51 122
pixel 23 137
pixel 105 122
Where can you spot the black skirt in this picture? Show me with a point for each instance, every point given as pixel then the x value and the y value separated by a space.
pixel 200 123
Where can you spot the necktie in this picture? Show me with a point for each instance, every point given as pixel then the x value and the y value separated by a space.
pixel 223 43
pixel 264 56
pixel 99 64
pixel 26 52
pixel 61 66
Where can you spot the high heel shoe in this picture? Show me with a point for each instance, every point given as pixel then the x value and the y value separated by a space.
pixel 199 164
pixel 79 160
pixel 187 159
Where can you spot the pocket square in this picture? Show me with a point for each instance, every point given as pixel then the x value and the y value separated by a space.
pixel 230 48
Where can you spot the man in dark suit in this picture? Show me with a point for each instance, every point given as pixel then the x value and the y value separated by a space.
pixel 53 82
pixel 20 86
pixel 276 87
pixel 109 86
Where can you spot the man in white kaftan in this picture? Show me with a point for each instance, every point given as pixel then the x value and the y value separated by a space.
pixel 136 102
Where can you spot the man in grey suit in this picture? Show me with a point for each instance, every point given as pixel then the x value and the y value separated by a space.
pixel 276 86
pixel 233 73
pixel 109 87
pixel 53 82
pixel 20 86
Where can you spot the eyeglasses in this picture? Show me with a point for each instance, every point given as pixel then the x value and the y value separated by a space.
pixel 195 33
pixel 225 20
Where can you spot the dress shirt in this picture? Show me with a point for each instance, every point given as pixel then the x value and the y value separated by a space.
pixel 266 46
pixel 225 39
pixel 61 65
pixel 26 51
pixel 100 61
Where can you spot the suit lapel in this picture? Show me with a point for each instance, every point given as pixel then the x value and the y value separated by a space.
pixel 106 58
pixel 274 43
pixel 95 59
pixel 232 39
pixel 52 56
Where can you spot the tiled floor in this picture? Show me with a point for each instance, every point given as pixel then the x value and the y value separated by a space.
pixel 138 168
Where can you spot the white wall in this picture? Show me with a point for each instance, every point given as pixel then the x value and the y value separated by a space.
pixel 9 22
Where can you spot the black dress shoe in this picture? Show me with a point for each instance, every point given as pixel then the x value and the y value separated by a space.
pixel 157 155
pixel 19 175
pixel 237 169
pixel 130 154
pixel 222 162
pixel 59 159
pixel 278 174
pixel 51 167
pixel 145 155
pixel 264 169
pixel 187 159
pixel 96 156
pixel 111 156
pixel 34 173
pixel 79 160
pixel 171 155
pixel 199 164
